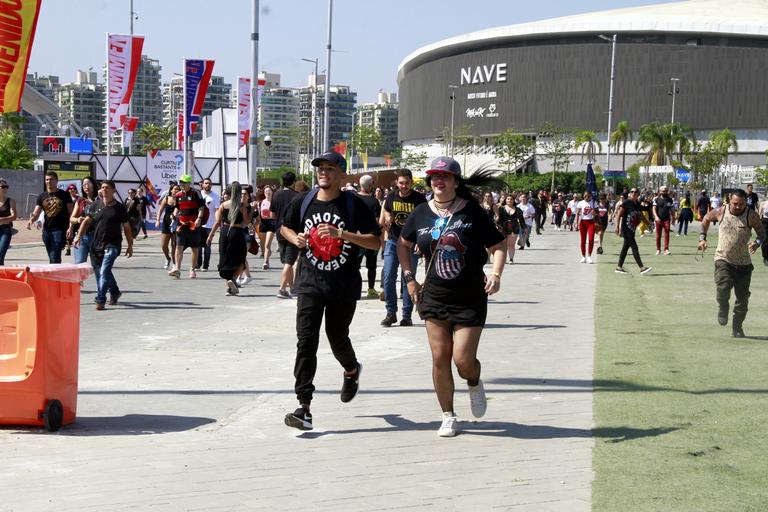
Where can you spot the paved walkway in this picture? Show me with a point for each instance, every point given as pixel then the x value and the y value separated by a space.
pixel 183 391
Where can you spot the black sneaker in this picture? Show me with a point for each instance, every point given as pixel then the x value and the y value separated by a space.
pixel 722 315
pixel 114 298
pixel 351 384
pixel 300 419
pixel 738 332
pixel 406 322
pixel 389 320
pixel 599 250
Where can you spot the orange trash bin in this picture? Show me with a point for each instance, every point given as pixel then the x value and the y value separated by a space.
pixel 39 344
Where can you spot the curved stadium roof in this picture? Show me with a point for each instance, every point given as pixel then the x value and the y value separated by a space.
pixel 715 17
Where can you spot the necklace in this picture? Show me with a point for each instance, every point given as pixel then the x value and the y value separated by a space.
pixel 443 202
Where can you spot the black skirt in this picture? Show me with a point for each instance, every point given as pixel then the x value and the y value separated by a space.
pixel 232 251
pixel 454 314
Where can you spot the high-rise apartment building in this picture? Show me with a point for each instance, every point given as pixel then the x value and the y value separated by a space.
pixel 382 117
pixel 83 101
pixel 48 87
pixel 279 117
pixel 342 101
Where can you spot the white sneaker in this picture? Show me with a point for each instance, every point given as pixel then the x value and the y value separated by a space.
pixel 477 401
pixel 448 427
pixel 658 252
pixel 583 260
pixel 245 280
pixel 589 260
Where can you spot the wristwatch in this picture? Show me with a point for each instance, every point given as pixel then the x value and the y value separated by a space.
pixel 408 276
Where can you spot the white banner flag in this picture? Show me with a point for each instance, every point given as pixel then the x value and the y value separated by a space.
pixel 124 56
pixel 243 111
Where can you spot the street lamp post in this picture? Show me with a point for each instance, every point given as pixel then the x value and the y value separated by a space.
pixel 612 40
pixel 327 106
pixel 453 101
pixel 253 138
pixel 313 129
pixel 674 92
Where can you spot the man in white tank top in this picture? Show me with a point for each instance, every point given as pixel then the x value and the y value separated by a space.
pixel 733 260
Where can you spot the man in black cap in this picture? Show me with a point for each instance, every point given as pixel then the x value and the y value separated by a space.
pixel 329 227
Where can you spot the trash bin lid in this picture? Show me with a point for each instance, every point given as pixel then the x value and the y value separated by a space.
pixel 62 272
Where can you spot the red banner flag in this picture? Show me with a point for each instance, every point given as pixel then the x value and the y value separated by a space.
pixel 128 128
pixel 19 21
pixel 180 132
pixel 124 57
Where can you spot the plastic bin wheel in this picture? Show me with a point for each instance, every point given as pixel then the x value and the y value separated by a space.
pixel 53 415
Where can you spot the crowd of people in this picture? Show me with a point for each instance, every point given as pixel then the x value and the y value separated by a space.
pixel 325 235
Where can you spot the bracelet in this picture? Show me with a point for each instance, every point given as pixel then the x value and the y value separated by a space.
pixel 408 276
pixel 496 274
pixel 702 237
pixel 341 232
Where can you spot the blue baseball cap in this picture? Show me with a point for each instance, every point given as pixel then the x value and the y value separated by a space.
pixel 332 157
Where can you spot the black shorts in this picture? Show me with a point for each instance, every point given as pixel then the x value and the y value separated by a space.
pixel 289 253
pixel 186 237
pixel 461 315
pixel 267 225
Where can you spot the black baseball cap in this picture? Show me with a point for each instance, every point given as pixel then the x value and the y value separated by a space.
pixel 444 164
pixel 332 157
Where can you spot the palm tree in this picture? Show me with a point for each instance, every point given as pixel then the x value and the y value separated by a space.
pixel 589 145
pixel 156 136
pixel 682 139
pixel 621 136
pixel 656 140
pixel 724 142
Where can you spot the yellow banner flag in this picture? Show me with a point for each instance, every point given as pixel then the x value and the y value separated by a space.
pixel 18 20
pixel 365 161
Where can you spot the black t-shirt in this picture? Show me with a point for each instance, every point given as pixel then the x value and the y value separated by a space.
pixel 632 215
pixel 133 205
pixel 536 203
pixel 752 200
pixel 55 206
pixel 108 225
pixel 279 206
pixel 329 267
pixel 400 208
pixel 702 204
pixel 456 275
pixel 663 206
pixel 372 203
pixel 144 200
pixel 558 206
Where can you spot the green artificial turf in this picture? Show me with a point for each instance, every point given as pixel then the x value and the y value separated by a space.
pixel 680 407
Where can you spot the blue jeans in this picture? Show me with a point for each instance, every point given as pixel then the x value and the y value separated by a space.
pixel 81 252
pixel 391 264
pixel 54 243
pixel 102 262
pixel 5 242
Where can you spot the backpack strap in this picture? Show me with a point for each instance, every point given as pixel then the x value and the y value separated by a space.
pixel 306 202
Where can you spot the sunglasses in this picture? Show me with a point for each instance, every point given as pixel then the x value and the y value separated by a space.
pixel 436 230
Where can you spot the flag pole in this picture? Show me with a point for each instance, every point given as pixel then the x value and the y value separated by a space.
pixel 185 120
pixel 109 112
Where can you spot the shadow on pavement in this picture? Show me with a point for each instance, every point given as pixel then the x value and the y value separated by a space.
pixel 603 385
pixel 163 305
pixel 513 302
pixel 397 423
pixel 133 425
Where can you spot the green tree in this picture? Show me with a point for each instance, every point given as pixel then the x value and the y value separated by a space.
pixel 655 139
pixel 682 140
pixel 724 142
pixel 365 140
pixel 11 120
pixel 413 159
pixel 620 137
pixel 14 153
pixel 558 143
pixel 157 137
pixel 513 149
pixel 588 144
pixel 704 160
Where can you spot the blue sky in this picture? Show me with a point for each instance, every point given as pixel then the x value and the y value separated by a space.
pixel 373 36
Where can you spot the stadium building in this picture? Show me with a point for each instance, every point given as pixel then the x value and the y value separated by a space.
pixel 559 71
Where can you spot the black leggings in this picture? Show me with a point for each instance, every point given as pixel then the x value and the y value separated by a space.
pixel 629 243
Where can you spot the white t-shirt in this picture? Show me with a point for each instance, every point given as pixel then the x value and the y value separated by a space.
pixel 587 209
pixel 573 204
pixel 715 202
pixel 528 212
pixel 212 202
